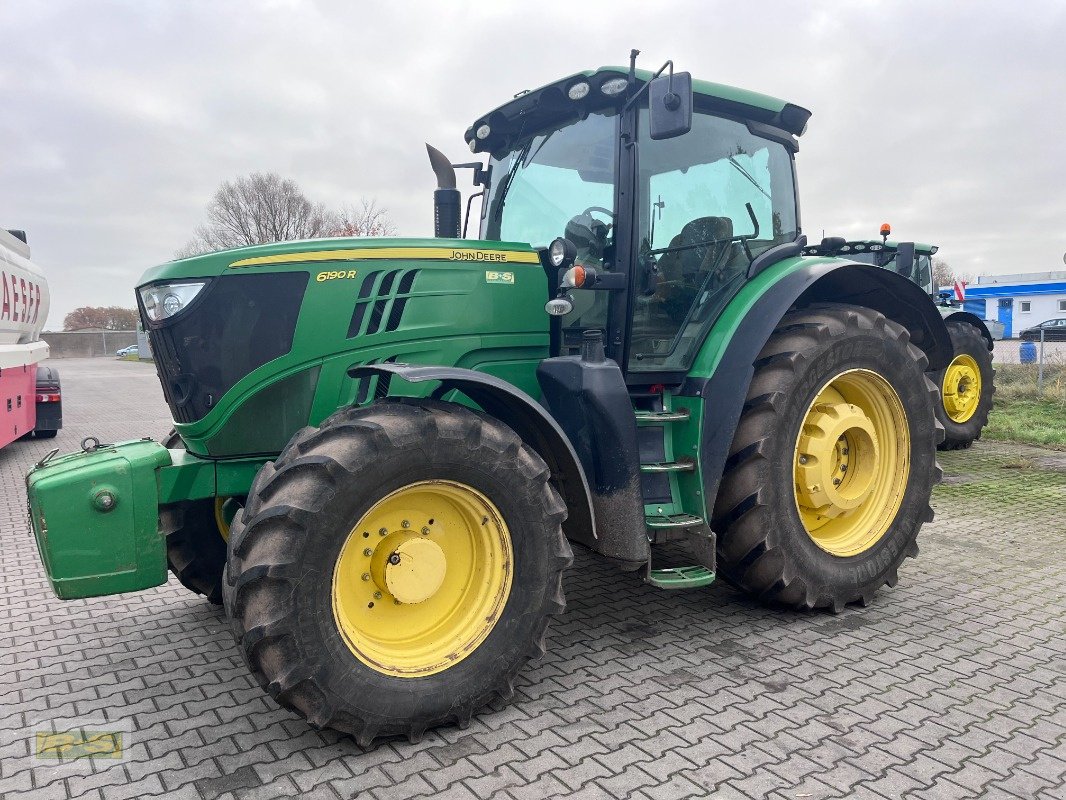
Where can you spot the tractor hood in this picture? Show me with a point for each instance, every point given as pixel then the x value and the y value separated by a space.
pixel 311 252
pixel 252 344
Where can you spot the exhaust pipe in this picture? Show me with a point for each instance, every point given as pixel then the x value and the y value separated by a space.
pixel 447 201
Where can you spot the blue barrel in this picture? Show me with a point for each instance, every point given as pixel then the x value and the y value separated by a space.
pixel 1027 352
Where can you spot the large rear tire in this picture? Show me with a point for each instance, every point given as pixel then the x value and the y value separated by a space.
pixel 966 388
pixel 833 462
pixel 395 569
pixel 195 533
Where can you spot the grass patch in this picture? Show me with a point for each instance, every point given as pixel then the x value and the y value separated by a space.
pixel 1025 411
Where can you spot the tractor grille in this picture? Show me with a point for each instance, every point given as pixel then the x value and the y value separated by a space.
pixel 381 302
pixel 240 323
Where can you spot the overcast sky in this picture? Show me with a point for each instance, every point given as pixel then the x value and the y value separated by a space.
pixel 119 120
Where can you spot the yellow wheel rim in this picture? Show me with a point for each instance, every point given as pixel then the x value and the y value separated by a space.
pixel 225 510
pixel 422 578
pixel 852 462
pixel 962 388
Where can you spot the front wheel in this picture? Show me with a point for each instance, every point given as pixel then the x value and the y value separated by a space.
pixel 833 461
pixel 965 388
pixel 195 533
pixel 394 569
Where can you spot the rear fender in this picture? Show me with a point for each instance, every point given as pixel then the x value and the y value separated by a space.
pixel 811 281
pixel 526 417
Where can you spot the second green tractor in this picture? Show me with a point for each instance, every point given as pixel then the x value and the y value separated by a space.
pixel 967 383
pixel 385 449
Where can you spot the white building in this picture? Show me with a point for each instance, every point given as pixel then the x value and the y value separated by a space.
pixel 1018 301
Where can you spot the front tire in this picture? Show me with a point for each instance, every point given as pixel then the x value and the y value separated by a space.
pixel 836 388
pixel 966 388
pixel 195 533
pixel 395 569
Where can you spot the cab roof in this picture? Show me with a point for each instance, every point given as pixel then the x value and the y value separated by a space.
pixel 892 244
pixel 552 101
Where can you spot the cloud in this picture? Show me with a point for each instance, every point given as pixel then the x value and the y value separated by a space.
pixel 120 119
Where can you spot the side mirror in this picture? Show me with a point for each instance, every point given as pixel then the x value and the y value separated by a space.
pixel 670 105
pixel 905 259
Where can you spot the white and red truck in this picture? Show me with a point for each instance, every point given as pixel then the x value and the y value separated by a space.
pixel 30 394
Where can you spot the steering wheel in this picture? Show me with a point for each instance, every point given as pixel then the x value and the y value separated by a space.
pixel 588 211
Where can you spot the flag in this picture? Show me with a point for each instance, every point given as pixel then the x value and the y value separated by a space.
pixel 960 291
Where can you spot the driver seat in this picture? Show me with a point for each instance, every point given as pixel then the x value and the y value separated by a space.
pixel 715 232
pixel 683 266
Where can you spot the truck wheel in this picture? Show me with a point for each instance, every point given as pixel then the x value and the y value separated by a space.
pixel 394 569
pixel 966 388
pixel 833 461
pixel 196 532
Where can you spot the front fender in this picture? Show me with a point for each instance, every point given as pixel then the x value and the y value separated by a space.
pixel 526 417
pixel 976 321
pixel 728 355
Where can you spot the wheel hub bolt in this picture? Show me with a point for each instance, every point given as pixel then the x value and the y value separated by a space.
pixel 368 552
pixel 394 559
pixel 377 595
pixel 382 531
pixel 425 531
pixel 366 576
pixel 803 459
pixel 405 524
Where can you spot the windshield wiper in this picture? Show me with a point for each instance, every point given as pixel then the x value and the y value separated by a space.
pixel 746 174
pixel 522 158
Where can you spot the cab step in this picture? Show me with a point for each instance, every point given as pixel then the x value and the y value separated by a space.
pixel 659 417
pixel 680 577
pixel 673 521
pixel 669 466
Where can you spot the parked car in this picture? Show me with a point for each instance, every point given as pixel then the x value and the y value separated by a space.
pixel 996 328
pixel 1054 330
pixel 127 351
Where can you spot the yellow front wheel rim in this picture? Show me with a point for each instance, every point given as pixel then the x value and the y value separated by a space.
pixel 852 462
pixel 422 578
pixel 226 509
pixel 961 389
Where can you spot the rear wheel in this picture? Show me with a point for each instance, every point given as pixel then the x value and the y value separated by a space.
pixel 394 569
pixel 833 461
pixel 965 388
pixel 196 532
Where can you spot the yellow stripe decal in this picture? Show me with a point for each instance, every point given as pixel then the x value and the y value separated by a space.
pixel 377 253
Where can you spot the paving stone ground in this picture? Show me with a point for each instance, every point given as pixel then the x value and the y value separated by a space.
pixel 950 685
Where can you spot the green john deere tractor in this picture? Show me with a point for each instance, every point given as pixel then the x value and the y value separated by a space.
pixel 967 383
pixel 384 447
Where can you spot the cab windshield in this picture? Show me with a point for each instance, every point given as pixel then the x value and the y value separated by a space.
pixel 558 182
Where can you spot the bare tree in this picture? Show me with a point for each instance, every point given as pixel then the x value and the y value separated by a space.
pixel 945 275
pixel 258 208
pixel 368 219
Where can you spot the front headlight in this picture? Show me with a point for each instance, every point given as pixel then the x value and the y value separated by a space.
pixel 163 300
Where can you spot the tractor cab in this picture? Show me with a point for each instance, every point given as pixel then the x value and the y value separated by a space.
pixel 912 260
pixel 664 223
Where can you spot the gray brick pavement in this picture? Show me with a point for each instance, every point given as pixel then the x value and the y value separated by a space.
pixel 950 685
